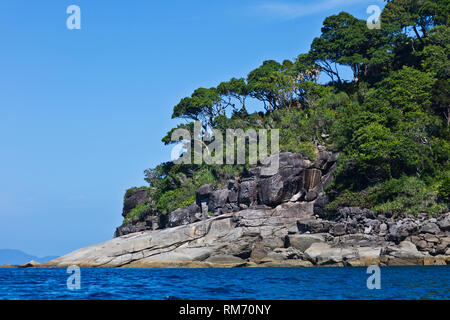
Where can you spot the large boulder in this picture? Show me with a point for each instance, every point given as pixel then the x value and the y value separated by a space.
pixel 131 228
pixel 302 242
pixel 311 195
pixel 404 254
pixel 233 194
pixel 271 190
pixel 443 246
pixel 320 206
pixel 186 215
pixel 202 198
pixel 401 230
pixel 356 213
pixel 430 228
pixel 285 183
pixel 444 223
pixel 321 253
pixel 314 226
pixel 203 193
pixel 133 198
pixel 218 202
pixel 296 179
pixel 338 229
pixel 248 193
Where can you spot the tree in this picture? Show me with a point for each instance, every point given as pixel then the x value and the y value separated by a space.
pixel 271 84
pixel 235 88
pixel 167 139
pixel 390 125
pixel 435 56
pixel 407 90
pixel 203 105
pixel 305 68
pixel 418 15
pixel 441 99
pixel 346 40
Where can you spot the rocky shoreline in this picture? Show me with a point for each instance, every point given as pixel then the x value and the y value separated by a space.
pixel 284 236
pixel 297 179
pixel 271 221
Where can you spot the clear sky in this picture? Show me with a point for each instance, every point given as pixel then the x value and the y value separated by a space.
pixel 82 112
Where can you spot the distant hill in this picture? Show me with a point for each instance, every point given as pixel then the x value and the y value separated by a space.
pixel 13 257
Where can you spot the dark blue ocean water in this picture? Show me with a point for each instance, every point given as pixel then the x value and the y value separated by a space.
pixel 238 283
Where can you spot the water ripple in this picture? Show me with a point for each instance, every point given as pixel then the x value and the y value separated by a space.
pixel 229 284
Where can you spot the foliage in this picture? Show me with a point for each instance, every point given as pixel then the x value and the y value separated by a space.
pixel 390 123
pixel 444 190
pixel 404 195
pixel 138 213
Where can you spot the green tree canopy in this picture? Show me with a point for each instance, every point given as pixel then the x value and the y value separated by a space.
pixel 203 105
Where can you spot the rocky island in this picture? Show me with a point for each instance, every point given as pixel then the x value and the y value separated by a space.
pixel 277 220
pixel 364 162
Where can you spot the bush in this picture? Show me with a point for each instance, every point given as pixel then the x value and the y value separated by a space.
pixel 138 213
pixel 407 195
pixel 187 202
pixel 444 190
pixel 183 193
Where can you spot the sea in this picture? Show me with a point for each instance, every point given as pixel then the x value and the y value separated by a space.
pixel 330 283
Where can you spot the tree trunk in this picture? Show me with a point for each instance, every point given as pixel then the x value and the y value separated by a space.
pixel 418 35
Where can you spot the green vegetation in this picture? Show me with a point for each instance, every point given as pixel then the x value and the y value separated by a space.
pixel 404 195
pixel 390 122
pixel 138 213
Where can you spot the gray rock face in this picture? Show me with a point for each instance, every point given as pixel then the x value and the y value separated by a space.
pixel 404 254
pixel 356 213
pixel 314 226
pixel 203 193
pixel 218 202
pixel 311 195
pixel 338 229
pixel 247 193
pixel 283 185
pixel 302 242
pixel 150 223
pixel 226 240
pixel 185 215
pixel 430 228
pixel 287 235
pixel 311 178
pixel 296 179
pixel 269 219
pixel 133 199
pixel 402 230
pixel 444 223
pixel 130 228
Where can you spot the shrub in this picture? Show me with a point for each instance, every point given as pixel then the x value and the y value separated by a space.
pixel 138 213
pixel 444 190
pixel 187 202
pixel 407 195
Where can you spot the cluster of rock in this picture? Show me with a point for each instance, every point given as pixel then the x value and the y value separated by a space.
pixel 287 235
pixel 391 240
pixel 277 220
pixel 297 179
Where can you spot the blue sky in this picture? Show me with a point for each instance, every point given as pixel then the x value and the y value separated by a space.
pixel 82 112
